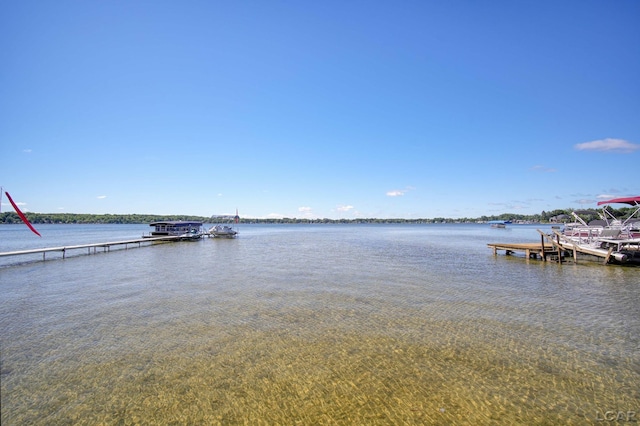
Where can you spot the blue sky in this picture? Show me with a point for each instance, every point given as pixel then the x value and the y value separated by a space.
pixel 410 109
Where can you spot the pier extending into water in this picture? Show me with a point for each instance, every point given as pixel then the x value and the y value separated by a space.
pixel 90 247
pixel 531 250
pixel 558 250
pixel 541 250
pixel 547 248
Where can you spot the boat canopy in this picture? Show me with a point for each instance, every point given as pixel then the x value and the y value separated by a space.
pixel 633 201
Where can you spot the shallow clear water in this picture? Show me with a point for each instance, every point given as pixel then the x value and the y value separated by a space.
pixel 314 324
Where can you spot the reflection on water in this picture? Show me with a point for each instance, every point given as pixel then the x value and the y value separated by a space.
pixel 319 325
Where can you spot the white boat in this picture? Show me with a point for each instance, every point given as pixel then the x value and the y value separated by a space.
pixel 191 236
pixel 609 236
pixel 630 227
pixel 581 231
pixel 223 231
pixel 608 225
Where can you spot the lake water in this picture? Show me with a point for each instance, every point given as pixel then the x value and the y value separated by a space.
pixel 313 324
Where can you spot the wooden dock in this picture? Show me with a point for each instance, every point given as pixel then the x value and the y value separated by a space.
pixel 548 247
pixel 531 250
pixel 95 246
pixel 554 246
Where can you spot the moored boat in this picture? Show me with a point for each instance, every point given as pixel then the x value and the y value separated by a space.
pixel 608 237
pixel 223 231
pixel 499 223
pixel 186 230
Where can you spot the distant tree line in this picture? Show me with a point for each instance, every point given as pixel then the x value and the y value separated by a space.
pixel 544 217
pixel 35 218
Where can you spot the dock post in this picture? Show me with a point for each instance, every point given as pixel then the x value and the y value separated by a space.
pixel 559 249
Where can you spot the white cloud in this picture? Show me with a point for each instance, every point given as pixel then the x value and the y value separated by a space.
pixel 21 205
pixel 27 151
pixel 101 197
pixel 345 208
pixel 608 144
pixel 304 209
pixel 399 192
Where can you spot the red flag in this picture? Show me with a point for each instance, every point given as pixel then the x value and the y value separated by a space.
pixel 22 216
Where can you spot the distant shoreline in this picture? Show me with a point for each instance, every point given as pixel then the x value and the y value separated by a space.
pixel 82 218
pixel 553 216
